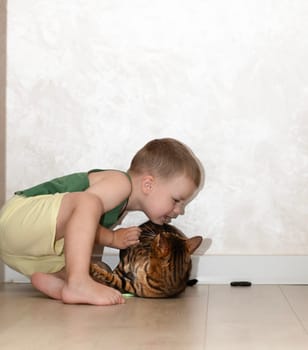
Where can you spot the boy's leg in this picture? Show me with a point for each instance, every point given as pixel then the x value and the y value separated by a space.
pixel 77 222
pixel 50 284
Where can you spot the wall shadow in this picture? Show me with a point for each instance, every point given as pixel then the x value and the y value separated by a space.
pixel 3 26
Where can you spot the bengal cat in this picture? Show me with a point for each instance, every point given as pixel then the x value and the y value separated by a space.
pixel 158 267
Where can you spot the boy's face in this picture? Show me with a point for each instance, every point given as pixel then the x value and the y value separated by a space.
pixel 167 198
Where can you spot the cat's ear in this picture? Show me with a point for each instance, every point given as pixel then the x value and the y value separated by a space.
pixel 162 246
pixel 193 243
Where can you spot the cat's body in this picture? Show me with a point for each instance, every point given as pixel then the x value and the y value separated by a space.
pixel 158 267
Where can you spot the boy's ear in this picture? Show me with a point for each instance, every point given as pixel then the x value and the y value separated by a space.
pixel 147 183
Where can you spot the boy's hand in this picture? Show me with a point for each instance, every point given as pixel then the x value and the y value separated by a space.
pixel 125 237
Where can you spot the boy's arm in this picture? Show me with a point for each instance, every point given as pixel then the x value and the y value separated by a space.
pixel 121 238
pixel 112 188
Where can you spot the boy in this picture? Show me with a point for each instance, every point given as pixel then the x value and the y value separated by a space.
pixel 48 231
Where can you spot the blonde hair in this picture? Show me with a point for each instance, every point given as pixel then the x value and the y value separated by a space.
pixel 166 158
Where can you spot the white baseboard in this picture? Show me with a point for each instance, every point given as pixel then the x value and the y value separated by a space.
pixel 222 269
pixel 267 269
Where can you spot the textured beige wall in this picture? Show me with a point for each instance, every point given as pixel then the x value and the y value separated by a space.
pixel 89 82
pixel 2 105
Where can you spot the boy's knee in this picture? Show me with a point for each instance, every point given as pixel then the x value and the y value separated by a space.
pixel 86 201
pixel 80 204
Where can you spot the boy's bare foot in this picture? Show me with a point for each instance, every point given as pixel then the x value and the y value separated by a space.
pixel 49 284
pixel 88 291
pixel 84 292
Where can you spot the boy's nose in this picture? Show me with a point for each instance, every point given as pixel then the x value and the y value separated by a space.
pixel 179 210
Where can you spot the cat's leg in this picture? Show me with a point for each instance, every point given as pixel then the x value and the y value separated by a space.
pixel 102 273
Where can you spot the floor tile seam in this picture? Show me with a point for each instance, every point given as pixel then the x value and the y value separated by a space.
pixel 292 309
pixel 206 318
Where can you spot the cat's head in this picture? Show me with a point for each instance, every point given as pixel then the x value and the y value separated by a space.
pixel 170 258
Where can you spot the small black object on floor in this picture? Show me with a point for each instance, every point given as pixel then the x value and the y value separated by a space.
pixel 240 284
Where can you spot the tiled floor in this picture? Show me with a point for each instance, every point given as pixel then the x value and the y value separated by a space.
pixel 214 317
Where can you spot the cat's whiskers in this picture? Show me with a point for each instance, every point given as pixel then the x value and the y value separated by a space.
pixel 149 229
